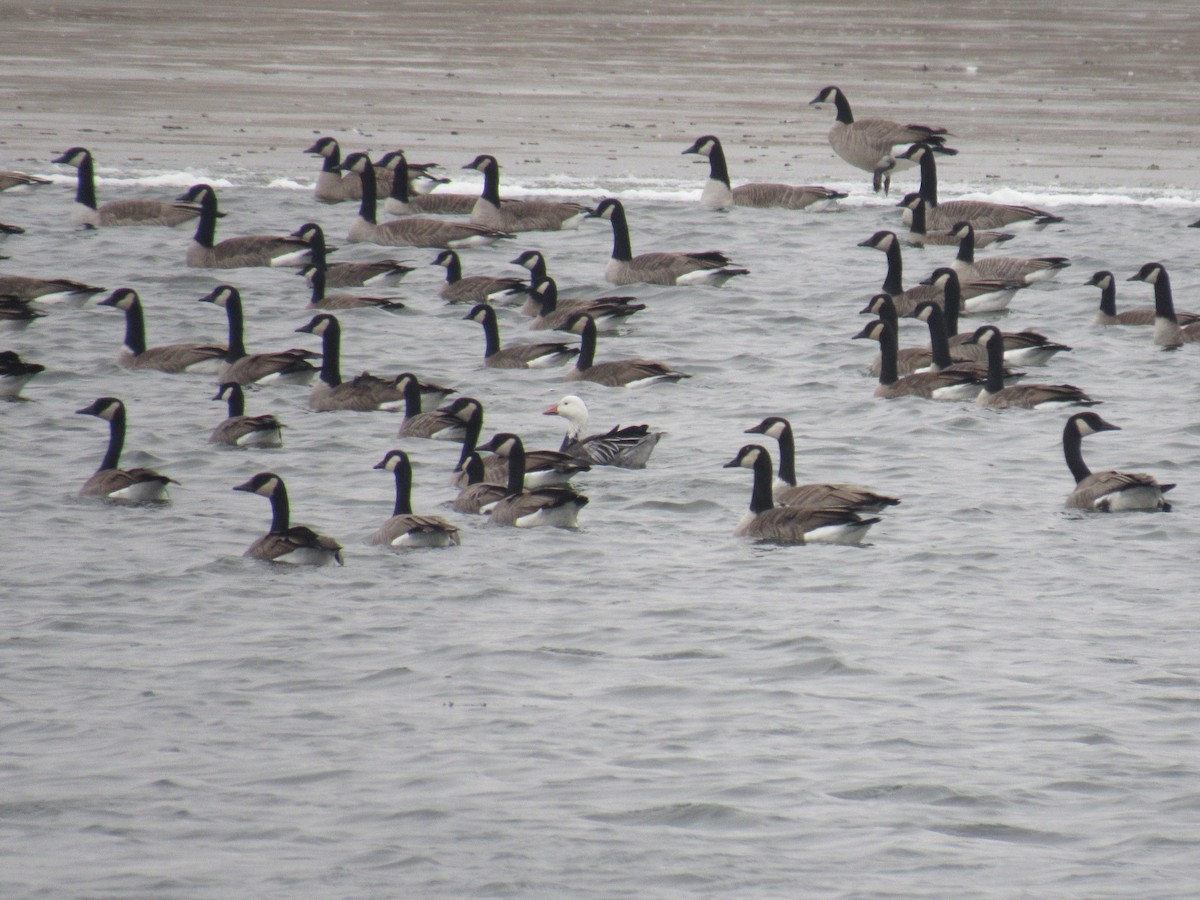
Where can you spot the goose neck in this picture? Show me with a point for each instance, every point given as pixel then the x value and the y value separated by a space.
pixel 116 440
pixel 762 495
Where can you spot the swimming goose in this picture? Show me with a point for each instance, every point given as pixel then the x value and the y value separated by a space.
pixel 791 524
pixel 365 393
pixel 535 262
pixel 625 448
pixel 1143 315
pixel 1021 396
pixel 941 358
pixel 404 529
pixel 474 288
pixel 541 355
pixel 867 143
pixel 290 366
pixel 1167 332
pixel 405 196
pixel 114 483
pixel 346 274
pixel 11 179
pixel 527 507
pixel 421 178
pixel 1001 268
pixel 710 267
pixel 1106 491
pixel 538 294
pixel 983 295
pixel 45 290
pixel 413 231
pixel 234 253
pixel 908 359
pixel 919 235
pixel 542 467
pixel 286 543
pixel 718 194
pixel 118 212
pixel 445 424
pixel 521 215
pixel 819 496
pixel 333 185
pixel 478 496
pixel 980 213
pixel 322 300
pixel 951 384
pixel 15 374
pixel 554 313
pixel 170 358
pixel 241 430
pixel 617 373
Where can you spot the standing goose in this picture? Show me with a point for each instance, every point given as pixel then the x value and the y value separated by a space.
pixel 1143 315
pixel 15 373
pixel 288 366
pixel 791 524
pixel 1167 332
pixel 617 373
pixel 1001 268
pixel 475 288
pixel 241 430
pixel 710 267
pixel 1106 491
pixel 540 355
pixel 322 300
pixel 347 274
pixel 404 529
pixel 813 496
pixel 520 215
pixel 478 496
pixel 112 482
pixel 444 424
pixel 867 143
pixel 1021 396
pixel 625 448
pixel 365 393
pixel 980 213
pixel 531 507
pixel 554 314
pixel 719 195
pixel 951 384
pixel 238 252
pixel 919 235
pixel 286 543
pixel 10 179
pixel 170 358
pixel 118 212
pixel 413 231
pixel 25 289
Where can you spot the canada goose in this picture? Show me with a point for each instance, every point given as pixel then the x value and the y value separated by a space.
pixel 540 355
pixel 538 294
pixel 523 215
pixel 1167 332
pixel 818 496
pixel 617 373
pixel 719 195
pixel 908 359
pixel 542 467
pixel 413 231
pixel 334 185
pixel 1021 396
pixel 791 524
pixel 322 300
pixel 1106 491
pixel 867 143
pixel 17 311
pixel 118 212
pixel 939 346
pixel 170 358
pixel 1143 315
pixel 985 295
pixel 15 374
pixel 111 482
pixel 919 235
pixel 710 267
pixel 421 178
pixel 9 180
pixel 440 425
pixel 530 507
pixel 288 366
pixel 241 430
pixel 1001 268
pixel 477 496
pixel 980 213
pixel 405 198
pixel 554 314
pixel 365 393
pixel 535 262
pixel 45 290
pixel 287 543
pixel 346 274
pixel 404 529
pixel 238 252
pixel 952 384
pixel 625 448
pixel 475 288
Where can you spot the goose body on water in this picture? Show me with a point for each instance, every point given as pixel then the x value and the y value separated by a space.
pixel 908 359
pixel 405 197
pixel 520 215
pixel 1142 315
pixel 365 393
pixel 290 366
pixel 616 373
pixel 920 236
pixel 951 384
pixel 540 355
pixel 238 252
pixel 118 212
pixel 555 314
pixel 478 496
pixel 404 528
pixel 15 373
pixel 526 507
pixel 791 524
pixel 475 288
pixel 1001 268
pixel 626 448
pixel 1020 396
pixel 110 481
pixel 322 300
pixel 335 185
pixel 170 358
pixel 241 430
pixel 26 288
pixel 1107 491
pixel 287 543
pixel 445 424
pixel 347 274
pixel 1168 333
pixel 719 195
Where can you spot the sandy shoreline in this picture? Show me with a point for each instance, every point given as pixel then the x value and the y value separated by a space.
pixel 1103 97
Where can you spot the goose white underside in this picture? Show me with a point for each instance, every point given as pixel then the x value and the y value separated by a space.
pixel 475 240
pixel 545 478
pixel 643 382
pixel 271 437
pixel 414 540
pixel 307 556
pixel 297 259
pixel 1030 356
pixel 565 516
pixel 142 492
pixel 954 392
pixel 302 378
pixel 714 277
pixel 10 385
pixel 850 533
pixel 549 361
pixel 450 433
pixel 990 302
pixel 1135 498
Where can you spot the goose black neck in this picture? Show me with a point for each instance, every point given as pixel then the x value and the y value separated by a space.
pixel 471 431
pixel 787 456
pixel 889 352
pixel 547 298
pixel 951 306
pixel 844 115
pixel 717 169
pixel 280 514
pixel 403 505
pixel 366 206
pixel 762 497
pixel 1164 303
pixel 966 247
pixel 516 468
pixel 135 329
pixel 917 225
pixel 473 468
pixel 412 398
pixel 237 344
pixel 491 333
pixel 206 224
pixel 893 283
pixel 887 313
pixel 318 284
pixel 116 440
pixel 995 355
pixel 491 185
pixel 537 272
pixel 85 185
pixel 587 346
pixel 236 401
pixel 331 351
pixel 453 267
pixel 333 161
pixel 1073 451
pixel 939 343
pixel 928 189
pixel 400 180
pixel 316 243
pixel 1108 297
pixel 622 250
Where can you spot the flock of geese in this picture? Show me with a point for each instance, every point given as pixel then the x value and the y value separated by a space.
pixel 516 486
